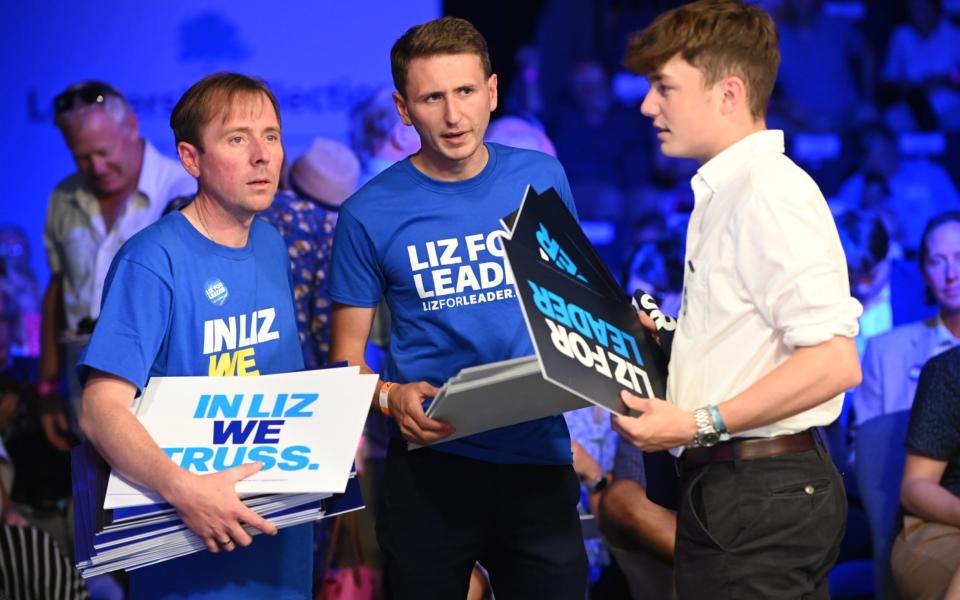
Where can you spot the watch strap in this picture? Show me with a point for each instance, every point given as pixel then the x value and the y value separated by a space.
pixel 718 423
pixel 597 485
pixel 705 428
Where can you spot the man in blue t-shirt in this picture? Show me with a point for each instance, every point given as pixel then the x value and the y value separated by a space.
pixel 204 291
pixel 425 235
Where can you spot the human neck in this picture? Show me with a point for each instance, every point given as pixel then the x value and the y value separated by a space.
pixel 733 135
pixel 217 223
pixel 442 169
pixel 951 320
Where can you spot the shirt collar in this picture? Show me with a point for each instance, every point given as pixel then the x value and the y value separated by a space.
pixel 942 338
pixel 148 184
pixel 725 166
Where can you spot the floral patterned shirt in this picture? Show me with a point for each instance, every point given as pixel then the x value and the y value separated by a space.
pixel 308 230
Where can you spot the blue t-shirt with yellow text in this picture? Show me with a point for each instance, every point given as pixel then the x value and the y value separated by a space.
pixel 176 303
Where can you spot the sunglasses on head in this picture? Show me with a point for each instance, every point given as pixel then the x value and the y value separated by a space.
pixel 85 95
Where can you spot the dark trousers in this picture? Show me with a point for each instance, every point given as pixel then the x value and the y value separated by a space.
pixel 440 513
pixel 765 528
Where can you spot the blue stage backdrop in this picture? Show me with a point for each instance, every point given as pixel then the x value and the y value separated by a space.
pixel 320 57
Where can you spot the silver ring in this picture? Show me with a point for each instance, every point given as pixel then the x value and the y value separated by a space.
pixel 225 543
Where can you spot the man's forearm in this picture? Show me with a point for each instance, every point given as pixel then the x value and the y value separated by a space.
pixel 122 440
pixel 810 377
pixel 630 520
pixel 51 312
pixel 349 332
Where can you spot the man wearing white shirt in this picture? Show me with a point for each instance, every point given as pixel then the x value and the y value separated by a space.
pixel 121 185
pixel 764 348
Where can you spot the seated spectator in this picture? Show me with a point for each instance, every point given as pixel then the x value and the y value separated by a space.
pixel 866 245
pixel 921 70
pixel 593 443
pixel 825 81
pixel 640 532
pixel 925 559
pixel 919 188
pixel 893 360
pixel 876 196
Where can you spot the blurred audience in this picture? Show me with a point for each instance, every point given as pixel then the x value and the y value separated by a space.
pixel 893 360
pixel 892 207
pixel 18 279
pixel 922 71
pixel 668 190
pixel 826 79
pixel 601 144
pixel 866 245
pixel 32 565
pixel 378 136
pixel 656 267
pixel 913 190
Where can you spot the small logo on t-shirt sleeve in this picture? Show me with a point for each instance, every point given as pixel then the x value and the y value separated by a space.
pixel 216 291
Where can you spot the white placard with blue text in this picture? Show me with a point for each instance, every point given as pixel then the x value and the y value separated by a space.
pixel 305 427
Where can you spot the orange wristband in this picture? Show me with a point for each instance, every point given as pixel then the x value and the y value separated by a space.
pixel 384 397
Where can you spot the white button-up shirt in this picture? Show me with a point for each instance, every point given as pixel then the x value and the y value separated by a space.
pixel 77 242
pixel 764 273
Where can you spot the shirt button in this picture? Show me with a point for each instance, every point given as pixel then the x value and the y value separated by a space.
pixel 808 490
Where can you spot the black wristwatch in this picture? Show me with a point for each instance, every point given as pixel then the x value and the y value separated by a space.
pixel 598 485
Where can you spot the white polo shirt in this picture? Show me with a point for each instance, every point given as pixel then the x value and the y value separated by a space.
pixel 77 242
pixel 764 273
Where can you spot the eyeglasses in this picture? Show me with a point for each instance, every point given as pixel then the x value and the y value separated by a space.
pixel 84 95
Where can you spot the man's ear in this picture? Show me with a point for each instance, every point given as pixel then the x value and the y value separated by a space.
pixel 492 90
pixel 133 125
pixel 734 95
pixel 401 103
pixel 189 157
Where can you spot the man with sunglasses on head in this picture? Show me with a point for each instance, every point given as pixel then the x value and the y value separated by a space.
pixel 121 185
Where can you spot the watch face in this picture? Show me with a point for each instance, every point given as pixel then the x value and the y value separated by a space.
pixel 600 485
pixel 708 439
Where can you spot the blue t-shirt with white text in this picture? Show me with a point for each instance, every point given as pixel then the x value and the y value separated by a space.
pixel 434 250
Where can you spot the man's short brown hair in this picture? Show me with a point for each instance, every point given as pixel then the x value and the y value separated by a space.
pixel 719 37
pixel 210 96
pixel 447 35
